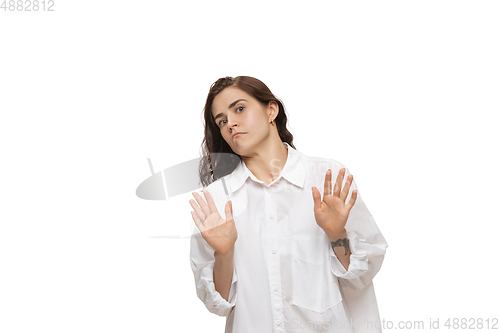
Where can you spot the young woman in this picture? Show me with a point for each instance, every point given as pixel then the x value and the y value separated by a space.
pixel 285 258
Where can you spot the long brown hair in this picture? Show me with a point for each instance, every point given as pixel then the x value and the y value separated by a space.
pixel 214 166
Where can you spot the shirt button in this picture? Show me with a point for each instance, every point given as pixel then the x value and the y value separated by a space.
pixel 273 251
pixel 278 322
pixel 270 216
pixel 275 288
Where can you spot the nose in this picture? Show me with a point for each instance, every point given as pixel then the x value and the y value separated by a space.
pixel 231 122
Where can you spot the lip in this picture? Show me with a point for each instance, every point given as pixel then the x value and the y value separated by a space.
pixel 238 134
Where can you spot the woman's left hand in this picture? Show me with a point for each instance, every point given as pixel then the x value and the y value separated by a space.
pixel 331 214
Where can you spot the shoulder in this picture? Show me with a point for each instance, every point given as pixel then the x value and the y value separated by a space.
pixel 217 193
pixel 217 186
pixel 322 164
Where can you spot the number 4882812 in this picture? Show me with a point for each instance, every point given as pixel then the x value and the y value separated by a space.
pixel 27 5
pixel 472 323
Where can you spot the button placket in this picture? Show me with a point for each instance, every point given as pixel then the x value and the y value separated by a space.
pixel 274 260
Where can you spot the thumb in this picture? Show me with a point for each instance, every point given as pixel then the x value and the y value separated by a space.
pixel 229 211
pixel 316 198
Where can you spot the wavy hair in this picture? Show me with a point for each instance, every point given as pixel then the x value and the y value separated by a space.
pixel 214 166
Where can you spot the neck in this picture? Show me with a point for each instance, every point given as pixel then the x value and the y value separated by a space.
pixel 267 163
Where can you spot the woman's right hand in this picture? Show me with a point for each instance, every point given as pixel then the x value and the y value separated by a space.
pixel 220 234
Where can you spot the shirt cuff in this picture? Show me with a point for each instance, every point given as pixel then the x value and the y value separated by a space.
pixel 211 297
pixel 358 264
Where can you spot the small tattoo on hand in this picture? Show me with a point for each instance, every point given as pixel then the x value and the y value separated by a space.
pixel 341 242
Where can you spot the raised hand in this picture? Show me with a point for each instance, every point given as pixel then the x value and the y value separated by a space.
pixel 331 214
pixel 220 234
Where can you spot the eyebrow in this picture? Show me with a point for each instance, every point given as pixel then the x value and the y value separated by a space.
pixel 230 107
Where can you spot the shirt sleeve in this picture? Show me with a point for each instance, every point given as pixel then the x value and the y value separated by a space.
pixel 202 263
pixel 366 242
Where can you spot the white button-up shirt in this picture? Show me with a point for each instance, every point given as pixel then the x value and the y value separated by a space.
pixel 286 276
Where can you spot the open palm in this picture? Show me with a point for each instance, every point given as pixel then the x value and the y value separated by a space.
pixel 332 212
pixel 220 234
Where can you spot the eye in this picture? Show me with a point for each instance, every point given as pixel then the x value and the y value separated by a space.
pixel 241 107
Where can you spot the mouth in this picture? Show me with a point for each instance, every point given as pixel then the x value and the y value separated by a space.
pixel 238 134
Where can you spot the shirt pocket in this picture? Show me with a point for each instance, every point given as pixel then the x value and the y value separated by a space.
pixel 315 287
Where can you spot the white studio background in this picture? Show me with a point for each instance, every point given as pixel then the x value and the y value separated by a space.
pixel 402 92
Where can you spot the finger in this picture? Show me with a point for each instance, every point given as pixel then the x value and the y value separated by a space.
pixel 210 201
pixel 347 186
pixel 316 198
pixel 351 203
pixel 229 211
pixel 203 205
pixel 197 221
pixel 338 183
pixel 328 183
pixel 197 209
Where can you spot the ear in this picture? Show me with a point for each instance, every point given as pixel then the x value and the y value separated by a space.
pixel 272 110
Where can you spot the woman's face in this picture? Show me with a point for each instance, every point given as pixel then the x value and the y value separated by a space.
pixel 236 111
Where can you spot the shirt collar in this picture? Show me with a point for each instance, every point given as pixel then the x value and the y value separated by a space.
pixel 294 170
